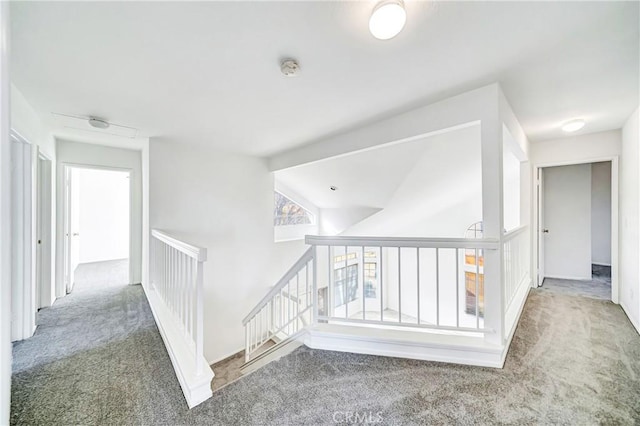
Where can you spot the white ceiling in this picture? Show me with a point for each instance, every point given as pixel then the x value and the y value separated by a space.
pixel 208 72
pixel 367 178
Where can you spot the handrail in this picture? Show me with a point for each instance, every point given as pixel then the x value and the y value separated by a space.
pixel 198 253
pixel 462 243
pixel 304 259
pixel 511 234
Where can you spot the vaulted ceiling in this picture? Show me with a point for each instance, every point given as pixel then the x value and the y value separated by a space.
pixel 208 72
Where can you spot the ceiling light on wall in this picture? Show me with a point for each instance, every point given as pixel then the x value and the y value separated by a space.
pixel 98 123
pixel 573 125
pixel 388 19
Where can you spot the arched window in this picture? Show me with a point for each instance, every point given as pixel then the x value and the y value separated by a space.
pixel 474 273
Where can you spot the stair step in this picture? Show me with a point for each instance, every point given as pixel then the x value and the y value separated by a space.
pixel 275 352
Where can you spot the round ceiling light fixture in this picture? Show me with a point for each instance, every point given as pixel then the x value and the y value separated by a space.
pixel 573 125
pixel 290 67
pixel 387 19
pixel 98 123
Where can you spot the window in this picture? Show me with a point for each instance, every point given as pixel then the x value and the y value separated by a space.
pixel 346 269
pixel 346 285
pixel 288 212
pixel 370 280
pixel 473 273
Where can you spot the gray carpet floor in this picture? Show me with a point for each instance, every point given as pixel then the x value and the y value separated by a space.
pixel 97 358
pixel 599 287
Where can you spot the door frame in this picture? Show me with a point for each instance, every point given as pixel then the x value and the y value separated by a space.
pixel 66 210
pixel 615 291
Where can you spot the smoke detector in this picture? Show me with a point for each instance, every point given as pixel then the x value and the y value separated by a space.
pixel 98 123
pixel 289 67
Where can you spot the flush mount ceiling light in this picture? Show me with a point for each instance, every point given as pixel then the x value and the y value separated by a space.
pixel 573 125
pixel 98 123
pixel 388 19
pixel 289 67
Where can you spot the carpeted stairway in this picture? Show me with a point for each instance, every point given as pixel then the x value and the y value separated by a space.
pixel 97 358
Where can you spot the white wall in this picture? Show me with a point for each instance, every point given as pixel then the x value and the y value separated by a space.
pixel 629 220
pixel 440 197
pixel 601 213
pixel 511 181
pixel 26 122
pixel 76 153
pixel 223 202
pixel 5 220
pixel 575 149
pixel 336 221
pixel 103 212
pixel 567 216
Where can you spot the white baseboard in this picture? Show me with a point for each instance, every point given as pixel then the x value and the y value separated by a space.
pixel 557 277
pixel 514 326
pixel 196 388
pixel 635 322
pixel 413 345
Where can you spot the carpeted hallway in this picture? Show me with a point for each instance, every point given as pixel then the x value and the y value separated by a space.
pixel 97 358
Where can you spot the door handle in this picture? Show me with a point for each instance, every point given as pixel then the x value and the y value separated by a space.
pixel 545 231
pixel 76 234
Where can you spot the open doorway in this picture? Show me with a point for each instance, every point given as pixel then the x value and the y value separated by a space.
pixel 577 228
pixel 97 217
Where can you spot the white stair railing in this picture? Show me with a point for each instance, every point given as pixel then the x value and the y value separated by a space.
pixel 176 299
pixel 418 283
pixel 285 310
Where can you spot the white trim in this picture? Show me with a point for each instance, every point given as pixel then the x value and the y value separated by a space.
pixel 515 231
pixel 512 333
pixel 195 387
pixel 615 200
pixel 412 345
pixel 568 277
pixel 462 243
pixel 600 264
pixel 632 320
pixel 198 253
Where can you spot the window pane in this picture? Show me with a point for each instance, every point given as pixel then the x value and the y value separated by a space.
pixel 286 212
pixel 345 277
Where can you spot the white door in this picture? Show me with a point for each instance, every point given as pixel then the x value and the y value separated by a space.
pixel 566 225
pixel 44 291
pixel 541 229
pixel 72 220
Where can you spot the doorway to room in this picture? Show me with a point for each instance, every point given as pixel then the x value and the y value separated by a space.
pixel 97 218
pixel 577 228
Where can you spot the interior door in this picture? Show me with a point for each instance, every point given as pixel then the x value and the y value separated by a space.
pixel 44 289
pixel 566 222
pixel 541 228
pixel 74 226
